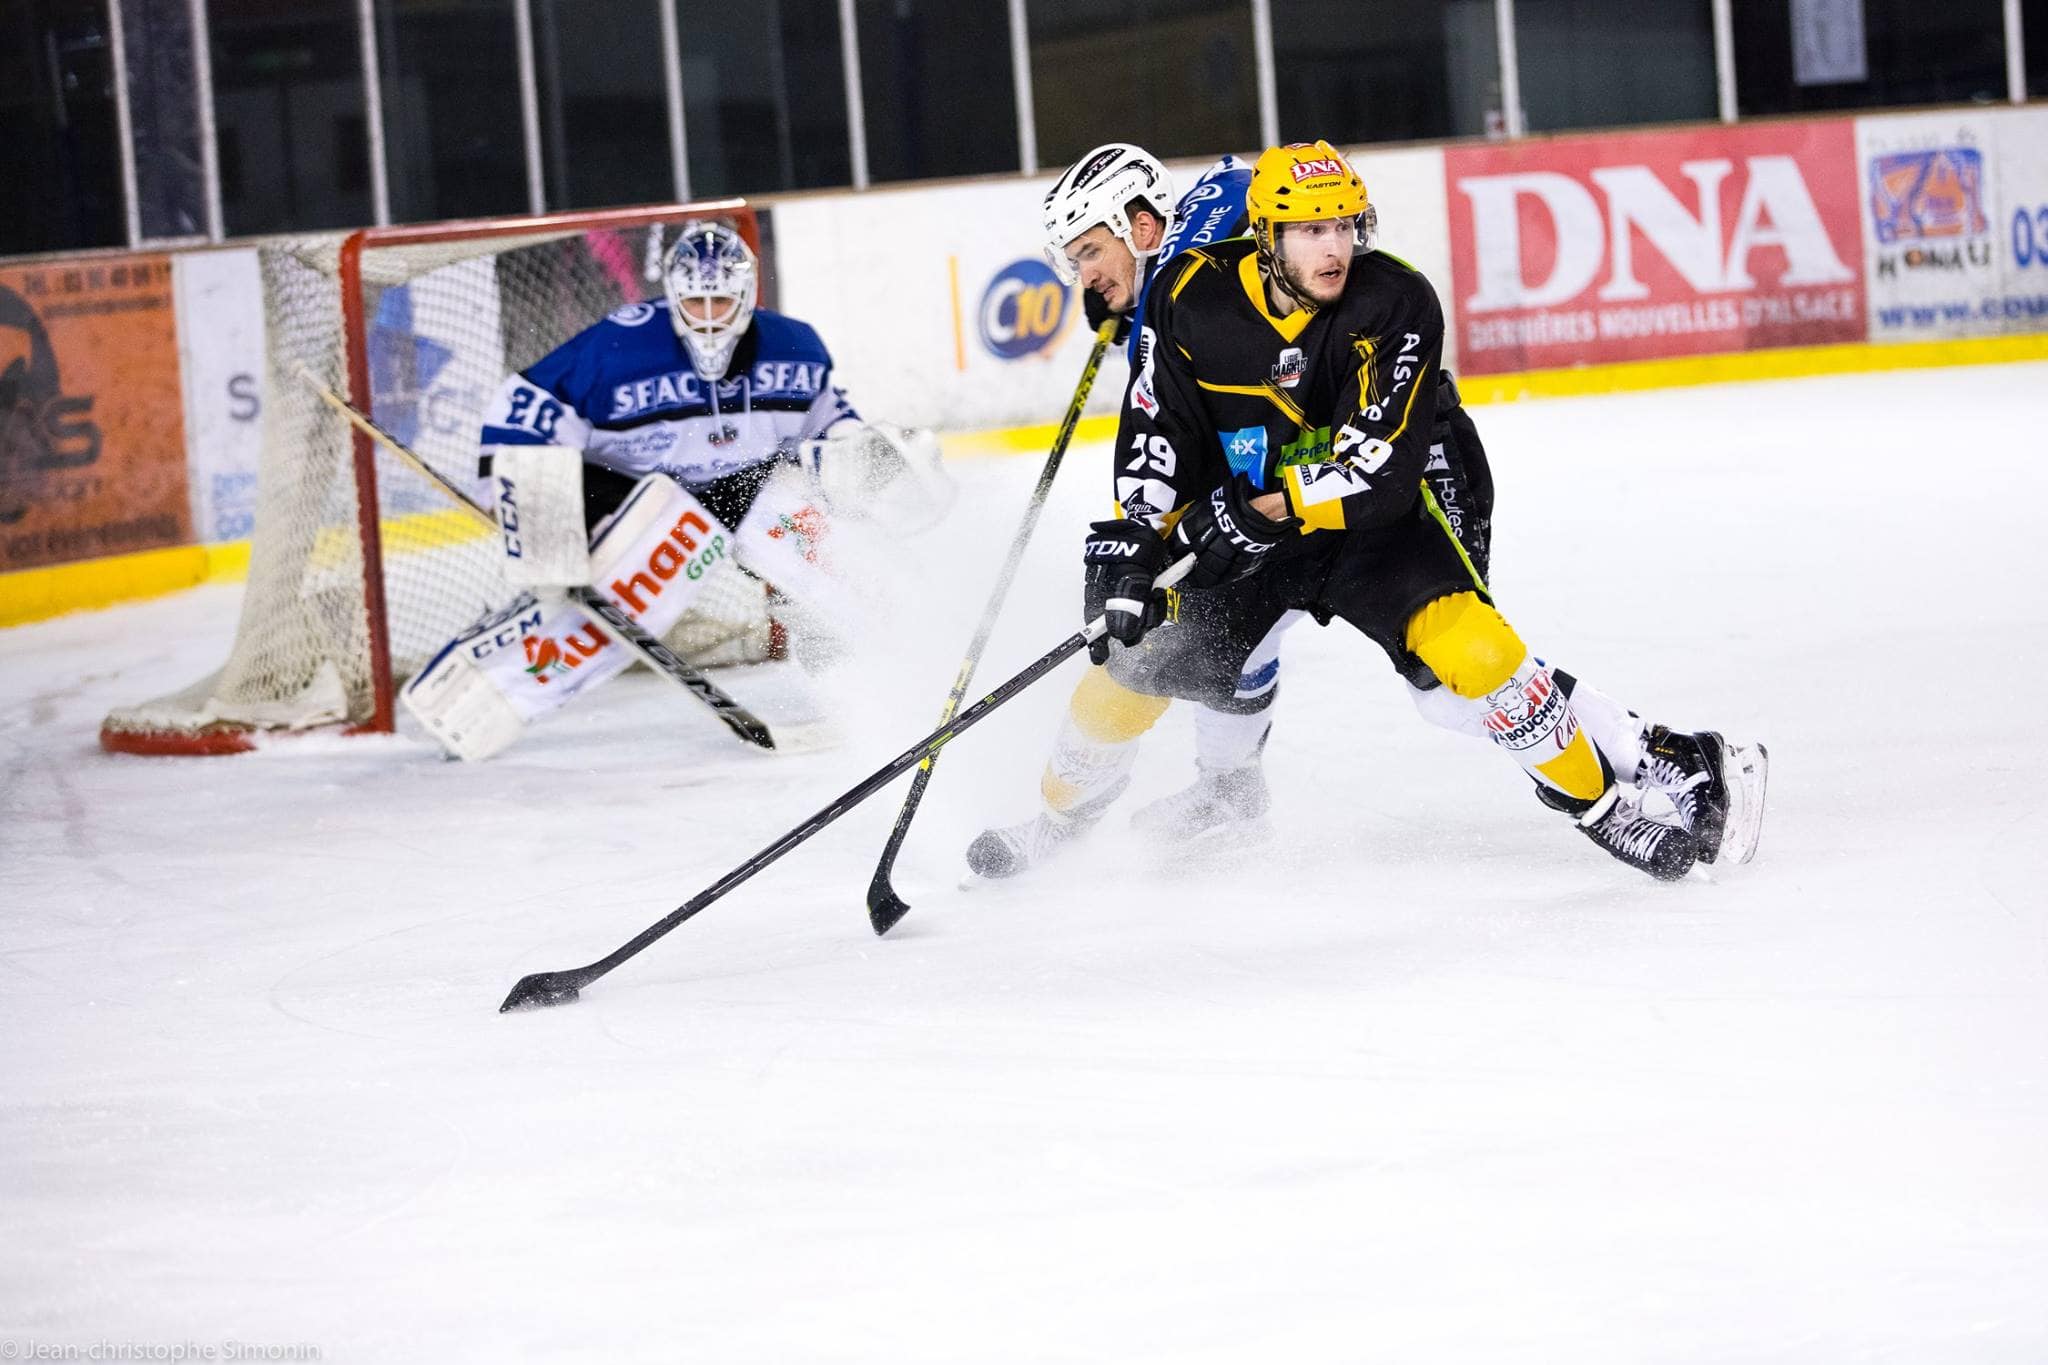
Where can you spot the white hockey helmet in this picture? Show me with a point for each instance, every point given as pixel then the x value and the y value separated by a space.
pixel 711 278
pixel 1100 189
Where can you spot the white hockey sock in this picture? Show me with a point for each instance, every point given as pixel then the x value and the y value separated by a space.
pixel 1617 730
pixel 1224 740
pixel 1447 710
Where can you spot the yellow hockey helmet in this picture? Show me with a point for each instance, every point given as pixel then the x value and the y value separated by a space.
pixel 1303 181
pixel 1299 183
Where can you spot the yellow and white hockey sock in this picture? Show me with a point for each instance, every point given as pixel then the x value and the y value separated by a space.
pixel 1097 745
pixel 1478 656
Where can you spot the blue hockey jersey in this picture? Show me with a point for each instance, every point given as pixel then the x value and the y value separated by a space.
pixel 1211 210
pixel 627 393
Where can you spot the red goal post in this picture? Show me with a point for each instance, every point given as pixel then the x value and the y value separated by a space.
pixel 358 572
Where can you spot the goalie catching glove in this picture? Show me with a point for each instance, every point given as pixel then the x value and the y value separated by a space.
pixel 1228 538
pixel 1122 558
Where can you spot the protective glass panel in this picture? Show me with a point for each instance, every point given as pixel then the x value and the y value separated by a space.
pixel 450 72
pixel 1793 56
pixel 59 148
pixel 1175 78
pixel 2034 25
pixel 603 104
pixel 289 112
pixel 1421 69
pixel 163 109
pixel 937 88
pixel 1612 63
pixel 765 99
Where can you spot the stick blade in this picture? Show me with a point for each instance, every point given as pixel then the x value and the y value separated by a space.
pixel 885 907
pixel 541 990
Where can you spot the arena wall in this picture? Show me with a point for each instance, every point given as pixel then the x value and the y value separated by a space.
pixel 1570 264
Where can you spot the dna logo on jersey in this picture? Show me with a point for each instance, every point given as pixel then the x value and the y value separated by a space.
pixel 1024 311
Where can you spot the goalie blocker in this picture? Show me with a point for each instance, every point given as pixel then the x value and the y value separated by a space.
pixel 651 559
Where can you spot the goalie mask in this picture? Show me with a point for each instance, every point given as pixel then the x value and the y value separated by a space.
pixel 1102 188
pixel 710 277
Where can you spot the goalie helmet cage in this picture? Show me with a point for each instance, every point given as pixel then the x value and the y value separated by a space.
pixel 359 570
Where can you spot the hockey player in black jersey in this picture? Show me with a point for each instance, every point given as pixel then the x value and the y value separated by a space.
pixel 1107 229
pixel 1112 226
pixel 1278 427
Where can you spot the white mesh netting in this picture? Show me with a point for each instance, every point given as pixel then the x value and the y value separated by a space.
pixel 442 322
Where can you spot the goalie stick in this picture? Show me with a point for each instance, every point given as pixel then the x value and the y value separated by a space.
pixel 885 907
pixel 559 988
pixel 629 632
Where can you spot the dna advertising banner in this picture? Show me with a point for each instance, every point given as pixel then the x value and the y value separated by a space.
pixel 1955 223
pixel 1596 250
pixel 92 450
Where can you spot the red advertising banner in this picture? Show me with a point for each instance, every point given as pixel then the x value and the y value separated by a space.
pixel 92 424
pixel 1639 246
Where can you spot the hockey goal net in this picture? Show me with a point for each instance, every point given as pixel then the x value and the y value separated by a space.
pixel 359 569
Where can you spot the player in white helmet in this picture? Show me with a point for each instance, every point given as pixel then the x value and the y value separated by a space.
pixel 1111 221
pixel 682 432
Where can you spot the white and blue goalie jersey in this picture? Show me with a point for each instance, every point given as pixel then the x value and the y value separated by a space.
pixel 627 393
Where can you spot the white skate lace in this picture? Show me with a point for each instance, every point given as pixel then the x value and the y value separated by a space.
pixel 1631 833
pixel 1678 786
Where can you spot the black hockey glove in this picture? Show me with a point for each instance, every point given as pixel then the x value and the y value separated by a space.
pixel 1228 539
pixel 1096 310
pixel 1122 558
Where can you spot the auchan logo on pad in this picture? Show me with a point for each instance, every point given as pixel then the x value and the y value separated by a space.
pixel 1591 250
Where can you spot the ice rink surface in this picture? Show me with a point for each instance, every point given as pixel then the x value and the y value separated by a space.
pixel 1426 1079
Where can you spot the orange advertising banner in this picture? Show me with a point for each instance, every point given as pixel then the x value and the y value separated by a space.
pixel 92 424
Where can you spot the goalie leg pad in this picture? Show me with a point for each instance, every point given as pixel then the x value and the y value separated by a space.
pixel 537 494
pixel 478 694
pixel 652 558
pixel 655 554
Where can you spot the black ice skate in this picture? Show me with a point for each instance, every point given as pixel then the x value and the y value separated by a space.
pixel 1617 824
pixel 1716 787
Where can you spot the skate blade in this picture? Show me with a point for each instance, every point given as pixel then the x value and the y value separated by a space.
pixel 1214 850
pixel 1747 770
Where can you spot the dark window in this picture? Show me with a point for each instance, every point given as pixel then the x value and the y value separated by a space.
pixel 937 88
pixel 1612 63
pixel 163 109
pixel 453 144
pixel 1175 78
pixel 1420 69
pixel 603 103
pixel 60 155
pixel 2034 28
pixel 764 99
pixel 289 108
pixel 1911 52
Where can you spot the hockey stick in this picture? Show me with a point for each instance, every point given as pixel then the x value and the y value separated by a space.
pixel 628 632
pixel 559 988
pixel 885 907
